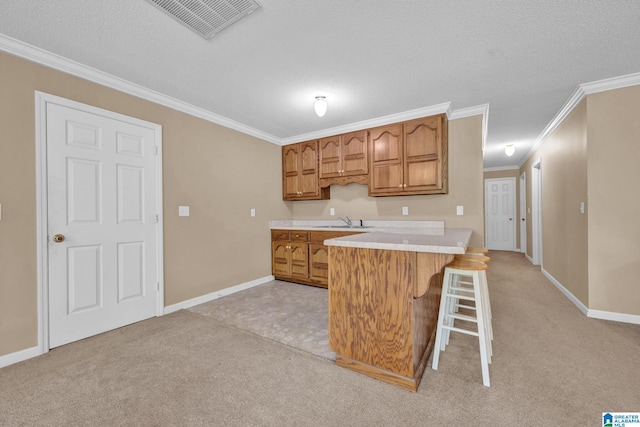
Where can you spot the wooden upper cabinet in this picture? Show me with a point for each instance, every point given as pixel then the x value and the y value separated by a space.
pixel 386 151
pixel 300 172
pixel 409 158
pixel 290 171
pixel 354 153
pixel 342 157
pixel 330 157
pixel 399 159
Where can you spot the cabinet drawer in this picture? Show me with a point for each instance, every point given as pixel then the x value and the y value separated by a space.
pixel 279 235
pixel 299 236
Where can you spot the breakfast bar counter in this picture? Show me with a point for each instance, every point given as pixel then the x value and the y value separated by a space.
pixel 384 296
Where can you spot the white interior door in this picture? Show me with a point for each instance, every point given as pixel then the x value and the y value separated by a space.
pixel 499 213
pixel 102 200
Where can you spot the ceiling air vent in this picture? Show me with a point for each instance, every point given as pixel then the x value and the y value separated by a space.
pixel 206 17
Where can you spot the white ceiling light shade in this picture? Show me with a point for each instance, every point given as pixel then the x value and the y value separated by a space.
pixel 509 150
pixel 320 106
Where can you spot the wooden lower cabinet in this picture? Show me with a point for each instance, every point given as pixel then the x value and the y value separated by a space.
pixel 300 256
pixel 383 311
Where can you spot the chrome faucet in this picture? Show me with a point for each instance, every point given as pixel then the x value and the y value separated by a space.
pixel 346 221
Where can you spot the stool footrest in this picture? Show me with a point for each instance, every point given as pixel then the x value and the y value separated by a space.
pixel 462 331
pixel 463 317
pixel 468 307
pixel 464 297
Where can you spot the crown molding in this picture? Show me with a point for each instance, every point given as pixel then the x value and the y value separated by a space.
pixel 371 123
pixel 57 62
pixel 610 84
pixel 501 168
pixel 444 108
pixel 575 98
pixel 65 65
pixel 578 95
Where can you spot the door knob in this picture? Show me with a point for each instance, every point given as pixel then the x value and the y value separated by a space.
pixel 510 219
pixel 58 238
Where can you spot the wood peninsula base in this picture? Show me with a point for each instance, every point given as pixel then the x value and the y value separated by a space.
pixel 383 311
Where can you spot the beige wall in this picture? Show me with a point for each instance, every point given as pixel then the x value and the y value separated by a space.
pixel 219 172
pixel 564 185
pixel 594 153
pixel 509 173
pixel 465 188
pixel 614 201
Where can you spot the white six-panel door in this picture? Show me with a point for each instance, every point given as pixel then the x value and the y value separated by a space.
pixel 102 200
pixel 499 214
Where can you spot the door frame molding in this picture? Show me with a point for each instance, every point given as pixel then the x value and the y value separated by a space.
pixel 513 207
pixel 536 212
pixel 523 212
pixel 42 215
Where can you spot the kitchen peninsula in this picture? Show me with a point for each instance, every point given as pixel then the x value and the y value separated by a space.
pixel 384 296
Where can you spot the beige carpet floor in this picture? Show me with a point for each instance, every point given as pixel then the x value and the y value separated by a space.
pixel 293 314
pixel 551 366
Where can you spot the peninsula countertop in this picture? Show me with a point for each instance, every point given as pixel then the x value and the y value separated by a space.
pixel 444 241
pixel 414 236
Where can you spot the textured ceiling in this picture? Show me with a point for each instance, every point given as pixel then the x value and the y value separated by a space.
pixel 369 58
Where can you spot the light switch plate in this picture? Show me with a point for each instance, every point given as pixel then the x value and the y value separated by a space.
pixel 459 210
pixel 332 211
pixel 253 212
pixel 183 210
pixel 405 210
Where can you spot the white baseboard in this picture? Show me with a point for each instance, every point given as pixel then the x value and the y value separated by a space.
pixel 583 308
pixel 528 258
pixel 19 356
pixel 616 317
pixel 215 295
pixel 595 314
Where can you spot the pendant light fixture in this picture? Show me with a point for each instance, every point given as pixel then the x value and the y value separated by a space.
pixel 320 106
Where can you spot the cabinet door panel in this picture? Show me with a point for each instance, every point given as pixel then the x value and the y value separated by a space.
pixel 299 257
pixel 309 185
pixel 386 143
pixel 385 174
pixel 423 175
pixel 423 154
pixel 422 138
pixel 318 263
pixel 290 171
pixel 330 155
pixel 281 259
pixel 386 178
pixel 354 153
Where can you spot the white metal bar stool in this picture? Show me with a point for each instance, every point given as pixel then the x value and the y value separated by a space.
pixel 453 294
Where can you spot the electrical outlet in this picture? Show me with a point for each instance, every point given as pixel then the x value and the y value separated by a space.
pixel 332 211
pixel 405 210
pixel 183 210
pixel 459 210
pixel 253 212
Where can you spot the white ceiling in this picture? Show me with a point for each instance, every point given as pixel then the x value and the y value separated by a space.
pixel 370 58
